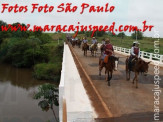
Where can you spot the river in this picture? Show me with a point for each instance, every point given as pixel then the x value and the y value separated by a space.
pixel 17 87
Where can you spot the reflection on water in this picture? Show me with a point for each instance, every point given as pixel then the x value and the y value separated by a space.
pixel 17 87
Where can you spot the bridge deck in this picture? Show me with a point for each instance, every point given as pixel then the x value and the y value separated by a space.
pixel 122 98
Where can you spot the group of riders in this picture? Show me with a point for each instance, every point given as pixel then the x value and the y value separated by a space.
pixel 108 49
pixel 110 61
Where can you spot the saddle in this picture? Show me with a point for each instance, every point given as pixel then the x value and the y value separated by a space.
pixel 132 62
pixel 106 59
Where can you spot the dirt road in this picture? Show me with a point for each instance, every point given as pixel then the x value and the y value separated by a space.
pixel 123 100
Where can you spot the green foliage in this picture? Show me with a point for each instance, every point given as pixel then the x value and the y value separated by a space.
pixel 23 52
pixel 96 34
pixel 111 34
pixel 121 35
pixel 139 35
pixel 48 94
pixel 2 34
pixel 48 71
pixel 27 49
pixel 45 38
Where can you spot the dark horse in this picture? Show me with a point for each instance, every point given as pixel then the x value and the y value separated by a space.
pixel 102 48
pixel 109 67
pixel 78 43
pixel 138 65
pixel 85 48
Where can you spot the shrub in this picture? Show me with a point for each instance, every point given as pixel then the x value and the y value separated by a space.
pixel 24 52
pixel 47 71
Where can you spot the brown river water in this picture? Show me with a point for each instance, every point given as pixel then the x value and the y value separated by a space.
pixel 17 87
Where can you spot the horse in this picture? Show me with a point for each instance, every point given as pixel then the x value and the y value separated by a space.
pixel 102 48
pixel 111 65
pixel 78 43
pixel 73 42
pixel 94 49
pixel 139 65
pixel 85 48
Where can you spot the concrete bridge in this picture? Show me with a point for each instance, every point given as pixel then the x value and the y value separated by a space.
pixel 85 97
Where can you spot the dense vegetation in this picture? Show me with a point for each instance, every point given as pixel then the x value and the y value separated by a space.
pixel 35 50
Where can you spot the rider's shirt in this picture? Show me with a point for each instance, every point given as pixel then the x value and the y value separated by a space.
pixel 103 42
pixel 85 41
pixel 94 41
pixel 135 51
pixel 110 47
pixel 73 39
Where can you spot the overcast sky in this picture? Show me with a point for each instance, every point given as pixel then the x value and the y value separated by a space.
pixel 126 12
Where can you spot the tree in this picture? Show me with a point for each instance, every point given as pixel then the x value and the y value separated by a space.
pixel 122 35
pixel 49 95
pixel 138 34
pixel 111 34
pixel 3 34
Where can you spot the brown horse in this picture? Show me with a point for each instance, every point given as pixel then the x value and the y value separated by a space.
pixel 109 67
pixel 94 49
pixel 78 43
pixel 102 48
pixel 139 65
pixel 85 48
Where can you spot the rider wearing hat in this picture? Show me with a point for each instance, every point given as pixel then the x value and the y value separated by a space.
pixel 93 41
pixel 134 53
pixel 108 48
pixel 84 42
pixel 135 50
pixel 103 41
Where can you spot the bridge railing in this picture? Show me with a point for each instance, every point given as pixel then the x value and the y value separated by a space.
pixel 145 55
pixel 71 90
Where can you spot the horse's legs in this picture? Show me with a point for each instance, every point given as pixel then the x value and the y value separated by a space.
pixel 127 72
pixel 108 79
pixel 129 75
pixel 111 75
pixel 100 66
pixel 136 80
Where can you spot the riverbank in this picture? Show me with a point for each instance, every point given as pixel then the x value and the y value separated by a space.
pixel 40 51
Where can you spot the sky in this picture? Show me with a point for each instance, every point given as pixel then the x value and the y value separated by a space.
pixel 126 12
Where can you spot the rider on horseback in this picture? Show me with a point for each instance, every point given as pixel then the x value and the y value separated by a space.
pixel 76 39
pixel 94 41
pixel 102 47
pixel 134 54
pixel 109 51
pixel 103 41
pixel 84 42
